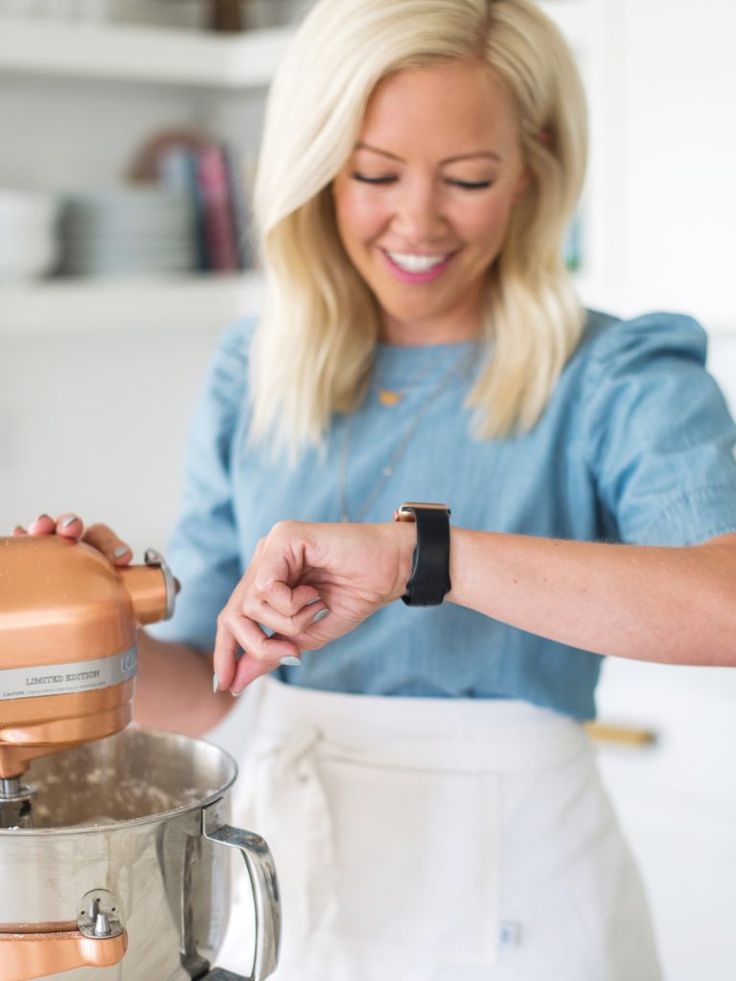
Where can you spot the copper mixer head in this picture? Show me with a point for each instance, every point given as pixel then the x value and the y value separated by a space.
pixel 68 654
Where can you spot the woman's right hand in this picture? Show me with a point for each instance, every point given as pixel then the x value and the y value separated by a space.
pixel 71 526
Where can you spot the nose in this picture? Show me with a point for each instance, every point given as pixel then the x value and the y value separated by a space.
pixel 418 215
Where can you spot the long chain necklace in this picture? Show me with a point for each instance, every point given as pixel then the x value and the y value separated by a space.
pixel 389 467
pixel 392 396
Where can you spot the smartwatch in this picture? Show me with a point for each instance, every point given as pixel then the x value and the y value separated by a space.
pixel 430 572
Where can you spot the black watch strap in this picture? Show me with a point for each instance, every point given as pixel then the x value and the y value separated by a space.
pixel 430 573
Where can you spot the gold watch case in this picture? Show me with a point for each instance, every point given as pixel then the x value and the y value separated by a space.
pixel 405 511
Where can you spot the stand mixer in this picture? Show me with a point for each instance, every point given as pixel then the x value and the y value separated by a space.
pixel 107 834
pixel 68 624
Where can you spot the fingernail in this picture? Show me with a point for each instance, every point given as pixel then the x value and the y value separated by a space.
pixel 41 518
pixel 69 521
pixel 291 661
pixel 315 600
pixel 320 616
pixel 120 551
pixel 215 683
pixel 237 694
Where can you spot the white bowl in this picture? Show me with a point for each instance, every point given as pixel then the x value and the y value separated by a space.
pixel 29 263
pixel 28 206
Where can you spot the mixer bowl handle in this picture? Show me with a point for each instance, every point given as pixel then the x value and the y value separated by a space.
pixel 262 874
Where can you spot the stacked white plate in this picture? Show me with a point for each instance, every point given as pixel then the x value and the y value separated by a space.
pixel 128 231
pixel 69 10
pixel 28 240
pixel 273 13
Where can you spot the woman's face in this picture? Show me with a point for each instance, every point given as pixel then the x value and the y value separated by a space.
pixel 423 204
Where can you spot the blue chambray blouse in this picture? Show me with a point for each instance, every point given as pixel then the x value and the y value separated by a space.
pixel 636 445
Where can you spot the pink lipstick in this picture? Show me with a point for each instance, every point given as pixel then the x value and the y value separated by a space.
pixel 417 278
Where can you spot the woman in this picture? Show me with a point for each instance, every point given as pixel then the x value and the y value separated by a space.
pixel 424 781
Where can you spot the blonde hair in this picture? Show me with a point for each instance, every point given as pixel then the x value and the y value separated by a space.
pixel 314 346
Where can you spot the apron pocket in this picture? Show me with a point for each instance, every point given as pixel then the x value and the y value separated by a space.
pixel 416 859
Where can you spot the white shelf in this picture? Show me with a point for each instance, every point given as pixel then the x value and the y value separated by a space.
pixel 77 306
pixel 74 306
pixel 138 54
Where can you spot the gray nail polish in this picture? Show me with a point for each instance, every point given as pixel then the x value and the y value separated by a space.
pixel 290 661
pixel 215 683
pixel 67 522
pixel 320 616
pixel 41 517
pixel 120 551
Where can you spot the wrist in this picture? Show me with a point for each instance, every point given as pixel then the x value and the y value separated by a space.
pixel 458 542
pixel 404 538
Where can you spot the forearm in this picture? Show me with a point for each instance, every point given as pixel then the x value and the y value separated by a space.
pixel 174 688
pixel 653 604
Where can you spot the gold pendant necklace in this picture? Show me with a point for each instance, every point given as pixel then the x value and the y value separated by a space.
pixel 389 398
pixel 389 467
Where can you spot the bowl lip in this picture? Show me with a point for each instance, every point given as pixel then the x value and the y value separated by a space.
pixel 14 198
pixel 159 817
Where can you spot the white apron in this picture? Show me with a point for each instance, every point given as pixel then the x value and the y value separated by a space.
pixel 435 840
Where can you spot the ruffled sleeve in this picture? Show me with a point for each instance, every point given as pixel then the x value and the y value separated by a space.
pixel 204 551
pixel 661 442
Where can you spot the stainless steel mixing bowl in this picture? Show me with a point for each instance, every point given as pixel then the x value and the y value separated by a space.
pixel 136 823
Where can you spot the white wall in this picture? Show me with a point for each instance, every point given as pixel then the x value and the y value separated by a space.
pixel 679 85
pixel 96 425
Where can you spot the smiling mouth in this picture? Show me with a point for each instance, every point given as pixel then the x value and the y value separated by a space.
pixel 414 269
pixel 416 262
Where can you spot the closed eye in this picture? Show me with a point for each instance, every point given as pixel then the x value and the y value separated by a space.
pixel 372 180
pixel 390 179
pixel 469 185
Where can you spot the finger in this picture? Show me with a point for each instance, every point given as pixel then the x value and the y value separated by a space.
pixel 18 531
pixel 69 526
pixel 225 656
pixel 316 636
pixel 285 600
pixel 42 525
pixel 248 670
pixel 252 638
pixel 104 539
pixel 237 675
pixel 288 626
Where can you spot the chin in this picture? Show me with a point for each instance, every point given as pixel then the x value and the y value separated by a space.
pixel 413 313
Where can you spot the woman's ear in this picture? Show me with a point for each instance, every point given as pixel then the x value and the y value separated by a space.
pixel 522 185
pixel 545 138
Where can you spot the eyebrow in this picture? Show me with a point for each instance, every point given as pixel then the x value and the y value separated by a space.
pixel 491 154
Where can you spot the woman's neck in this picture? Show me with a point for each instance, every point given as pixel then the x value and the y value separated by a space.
pixel 463 322
pixel 423 333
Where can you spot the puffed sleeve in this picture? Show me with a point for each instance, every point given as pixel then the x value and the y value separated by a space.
pixel 661 442
pixel 203 552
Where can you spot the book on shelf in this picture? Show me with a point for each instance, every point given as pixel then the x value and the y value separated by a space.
pixel 241 216
pixel 218 213
pixel 213 175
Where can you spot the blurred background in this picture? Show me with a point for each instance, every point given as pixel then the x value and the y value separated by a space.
pixel 128 135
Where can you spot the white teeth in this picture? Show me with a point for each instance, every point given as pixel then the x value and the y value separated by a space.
pixel 416 263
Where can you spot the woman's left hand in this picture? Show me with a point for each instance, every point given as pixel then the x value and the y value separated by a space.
pixel 306 585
